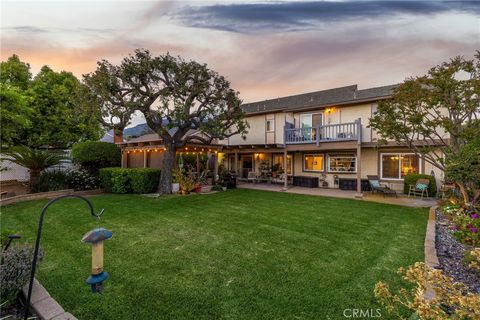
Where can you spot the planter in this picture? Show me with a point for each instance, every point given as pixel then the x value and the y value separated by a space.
pixel 224 188
pixel 206 189
pixel 175 187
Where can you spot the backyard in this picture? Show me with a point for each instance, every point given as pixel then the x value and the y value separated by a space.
pixel 242 254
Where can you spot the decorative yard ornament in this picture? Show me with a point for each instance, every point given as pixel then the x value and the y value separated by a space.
pixel 96 238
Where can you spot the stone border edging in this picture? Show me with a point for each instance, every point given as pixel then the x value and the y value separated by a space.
pixel 44 305
pixel 431 258
pixel 47 195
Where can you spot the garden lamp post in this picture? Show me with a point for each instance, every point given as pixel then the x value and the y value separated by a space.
pixel 39 235
pixel 96 238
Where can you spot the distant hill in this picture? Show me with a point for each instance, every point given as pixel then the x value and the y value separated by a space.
pixel 134 132
pixel 137 131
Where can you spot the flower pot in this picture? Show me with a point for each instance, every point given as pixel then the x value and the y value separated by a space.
pixel 224 188
pixel 175 187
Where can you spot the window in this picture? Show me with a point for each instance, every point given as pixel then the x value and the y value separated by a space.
pixel 342 162
pixel 309 120
pixel 313 162
pixel 278 158
pixel 270 125
pixel 398 165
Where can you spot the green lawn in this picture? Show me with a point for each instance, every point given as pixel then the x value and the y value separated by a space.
pixel 239 254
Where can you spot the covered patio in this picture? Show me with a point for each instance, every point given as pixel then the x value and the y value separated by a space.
pixel 402 200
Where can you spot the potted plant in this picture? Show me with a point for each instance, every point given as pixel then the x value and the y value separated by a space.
pixel 187 184
pixel 176 177
pixel 275 168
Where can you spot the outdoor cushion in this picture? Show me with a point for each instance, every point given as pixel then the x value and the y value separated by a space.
pixel 375 183
pixel 421 186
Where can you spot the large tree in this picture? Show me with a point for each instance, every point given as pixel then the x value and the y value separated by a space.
pixel 434 115
pixel 176 97
pixel 47 110
pixel 15 77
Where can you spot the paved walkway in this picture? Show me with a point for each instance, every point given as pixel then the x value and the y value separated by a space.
pixel 402 200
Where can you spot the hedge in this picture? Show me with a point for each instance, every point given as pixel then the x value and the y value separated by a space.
pixel 411 179
pixel 136 180
pixel 94 155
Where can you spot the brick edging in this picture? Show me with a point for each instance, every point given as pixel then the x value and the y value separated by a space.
pixel 44 305
pixel 47 195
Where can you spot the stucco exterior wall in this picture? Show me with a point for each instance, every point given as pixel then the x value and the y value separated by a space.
pixel 256 132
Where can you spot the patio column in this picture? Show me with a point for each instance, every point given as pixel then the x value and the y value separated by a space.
pixel 215 166
pixel 198 165
pixel 145 158
pixel 359 193
pixel 124 159
pixel 285 166
pixel 236 162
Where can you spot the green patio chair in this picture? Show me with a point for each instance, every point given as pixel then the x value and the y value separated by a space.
pixel 420 188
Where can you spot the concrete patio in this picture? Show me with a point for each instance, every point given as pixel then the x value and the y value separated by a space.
pixel 402 199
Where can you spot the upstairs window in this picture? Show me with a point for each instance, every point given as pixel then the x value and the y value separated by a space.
pixel 270 125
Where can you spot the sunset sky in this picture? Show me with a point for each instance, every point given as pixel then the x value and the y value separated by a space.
pixel 266 49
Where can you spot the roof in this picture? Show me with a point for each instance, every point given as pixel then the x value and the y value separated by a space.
pixel 330 97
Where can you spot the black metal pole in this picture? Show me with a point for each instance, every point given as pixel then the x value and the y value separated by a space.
pixel 39 235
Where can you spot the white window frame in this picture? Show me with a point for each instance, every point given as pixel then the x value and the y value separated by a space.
pixel 311 118
pixel 399 167
pixel 272 125
pixel 340 155
pixel 313 155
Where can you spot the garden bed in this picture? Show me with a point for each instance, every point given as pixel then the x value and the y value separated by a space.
pixel 451 254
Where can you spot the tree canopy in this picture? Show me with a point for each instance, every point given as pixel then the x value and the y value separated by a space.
pixel 46 110
pixel 176 97
pixel 434 115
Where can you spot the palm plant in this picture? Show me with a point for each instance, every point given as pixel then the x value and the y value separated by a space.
pixel 34 160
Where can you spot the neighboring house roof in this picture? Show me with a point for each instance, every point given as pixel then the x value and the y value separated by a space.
pixel 330 97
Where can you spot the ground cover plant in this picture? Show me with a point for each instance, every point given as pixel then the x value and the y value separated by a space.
pixel 217 256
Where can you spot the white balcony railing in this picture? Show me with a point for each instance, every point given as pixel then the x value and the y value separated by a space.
pixel 350 131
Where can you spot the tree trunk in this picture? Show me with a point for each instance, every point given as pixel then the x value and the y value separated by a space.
pixel 34 178
pixel 464 192
pixel 165 185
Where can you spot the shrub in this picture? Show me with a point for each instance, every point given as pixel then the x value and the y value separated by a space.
pixel 122 180
pixel 144 180
pixel 51 180
pixel 81 180
pixel 94 155
pixel 412 178
pixel 451 301
pixel 15 269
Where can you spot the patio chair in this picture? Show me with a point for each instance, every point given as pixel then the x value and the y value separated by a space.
pixel 377 187
pixel 252 176
pixel 420 188
pixel 280 179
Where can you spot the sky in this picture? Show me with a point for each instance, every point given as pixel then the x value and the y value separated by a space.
pixel 266 49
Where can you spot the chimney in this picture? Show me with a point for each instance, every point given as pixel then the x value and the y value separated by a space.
pixel 117 136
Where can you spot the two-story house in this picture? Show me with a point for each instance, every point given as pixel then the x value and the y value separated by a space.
pixel 321 136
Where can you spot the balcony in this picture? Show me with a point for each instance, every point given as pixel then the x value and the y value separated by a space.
pixel 350 131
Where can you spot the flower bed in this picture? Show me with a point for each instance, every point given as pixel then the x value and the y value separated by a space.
pixel 451 254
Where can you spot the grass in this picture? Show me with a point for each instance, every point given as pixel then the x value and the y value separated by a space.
pixel 239 254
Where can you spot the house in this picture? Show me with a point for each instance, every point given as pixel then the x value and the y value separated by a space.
pixel 320 138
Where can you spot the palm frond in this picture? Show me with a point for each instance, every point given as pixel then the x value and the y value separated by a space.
pixel 33 159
